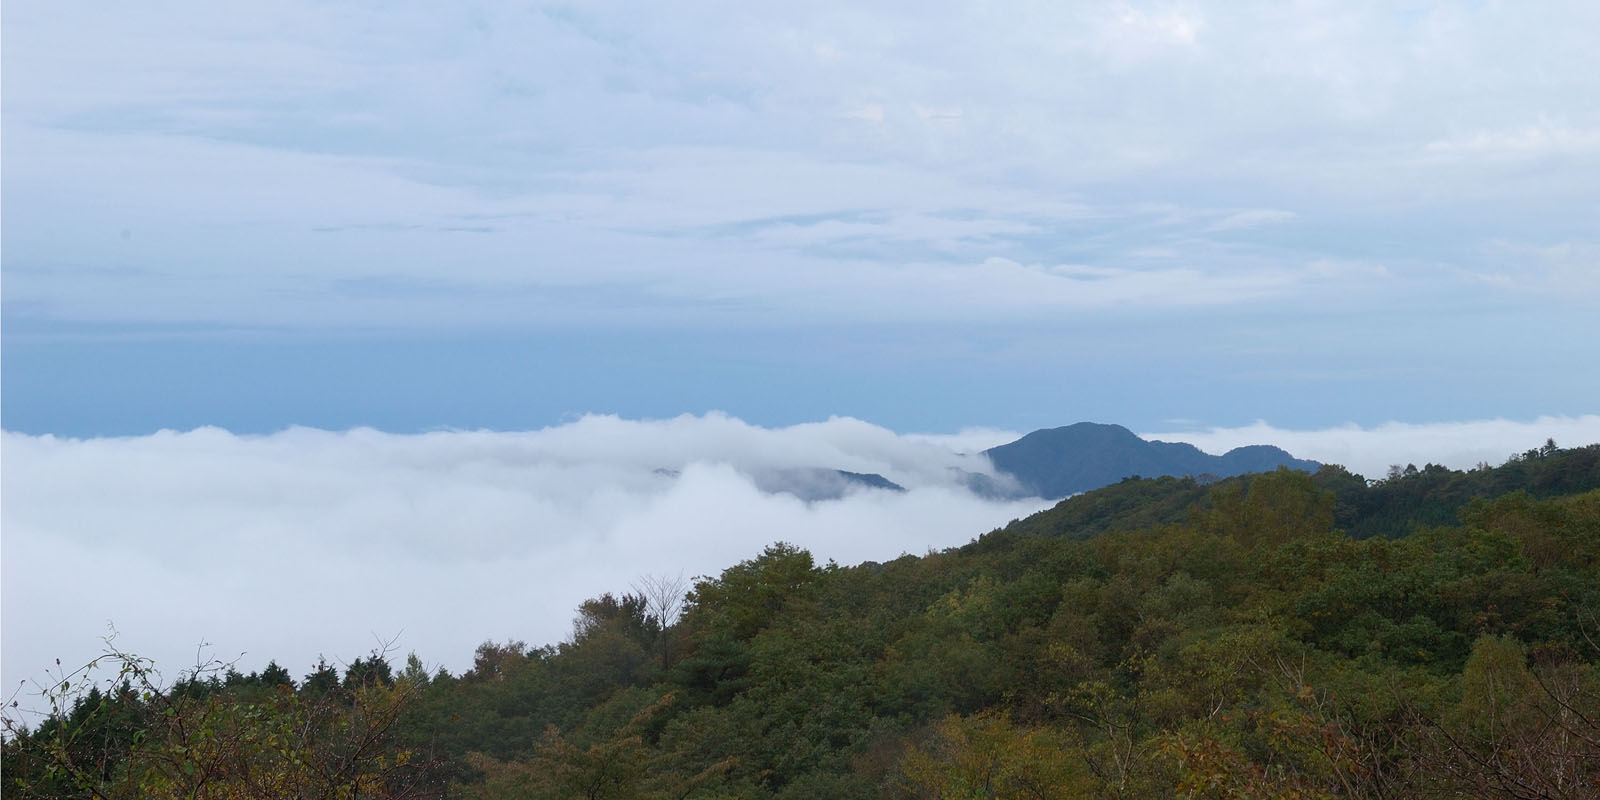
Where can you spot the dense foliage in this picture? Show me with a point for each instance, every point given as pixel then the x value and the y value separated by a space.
pixel 1156 638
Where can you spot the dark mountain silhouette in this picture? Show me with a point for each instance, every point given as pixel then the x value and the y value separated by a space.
pixel 816 484
pixel 811 484
pixel 1059 462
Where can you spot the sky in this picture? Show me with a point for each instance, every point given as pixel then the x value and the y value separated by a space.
pixel 504 215
pixel 1366 231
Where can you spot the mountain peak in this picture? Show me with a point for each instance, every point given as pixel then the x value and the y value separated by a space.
pixel 1106 429
pixel 1058 462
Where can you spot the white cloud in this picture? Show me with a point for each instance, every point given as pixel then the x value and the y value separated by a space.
pixel 257 158
pixel 1067 286
pixel 307 541
pixel 1569 270
pixel 1370 451
pixel 1336 269
pixel 967 440
pixel 869 113
pixel 1253 218
pixel 1136 33
pixel 1546 138
pixel 929 113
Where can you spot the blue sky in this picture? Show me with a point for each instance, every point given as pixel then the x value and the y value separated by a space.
pixel 1172 372
pixel 505 215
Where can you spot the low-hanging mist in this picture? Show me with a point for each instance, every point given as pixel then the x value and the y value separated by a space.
pixel 307 542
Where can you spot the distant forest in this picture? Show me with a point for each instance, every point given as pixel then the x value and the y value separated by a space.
pixel 1434 633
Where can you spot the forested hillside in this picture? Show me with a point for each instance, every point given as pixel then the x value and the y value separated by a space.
pixel 1390 506
pixel 1435 633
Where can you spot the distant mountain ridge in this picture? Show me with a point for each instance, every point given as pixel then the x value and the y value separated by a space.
pixel 815 484
pixel 1052 463
pixel 1058 462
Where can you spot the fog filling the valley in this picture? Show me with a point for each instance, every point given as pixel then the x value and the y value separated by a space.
pixel 306 542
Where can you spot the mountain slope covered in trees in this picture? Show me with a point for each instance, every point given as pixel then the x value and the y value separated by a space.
pixel 1155 638
pixel 1392 506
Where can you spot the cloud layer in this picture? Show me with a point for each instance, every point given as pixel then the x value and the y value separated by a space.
pixel 323 164
pixel 306 541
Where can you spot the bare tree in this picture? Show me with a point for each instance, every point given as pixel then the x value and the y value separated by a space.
pixel 663 597
pixel 663 601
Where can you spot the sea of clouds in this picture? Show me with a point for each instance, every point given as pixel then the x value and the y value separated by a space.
pixel 308 542
pixel 206 544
